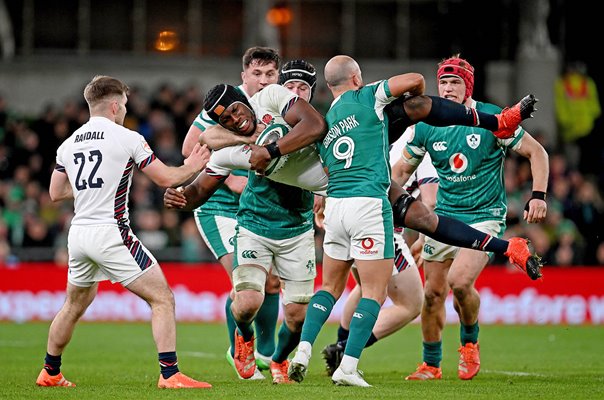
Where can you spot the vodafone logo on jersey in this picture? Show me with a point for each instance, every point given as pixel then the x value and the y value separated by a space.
pixel 458 163
pixel 367 245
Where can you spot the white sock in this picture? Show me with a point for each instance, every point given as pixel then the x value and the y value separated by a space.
pixel 349 364
pixel 305 347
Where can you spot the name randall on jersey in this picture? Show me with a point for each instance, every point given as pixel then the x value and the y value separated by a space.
pixel 339 128
pixel 89 136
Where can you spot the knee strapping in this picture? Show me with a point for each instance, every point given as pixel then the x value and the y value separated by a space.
pixel 400 208
pixel 298 292
pixel 249 278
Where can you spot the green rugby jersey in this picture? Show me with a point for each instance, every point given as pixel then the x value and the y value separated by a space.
pixel 274 210
pixel 355 149
pixel 223 202
pixel 469 162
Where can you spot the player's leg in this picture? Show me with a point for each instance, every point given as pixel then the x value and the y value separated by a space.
pixel 463 274
pixel 131 264
pixel 295 262
pixel 61 330
pixel 265 322
pixel 406 292
pixel 296 296
pixel 372 246
pixel 438 111
pixel 415 215
pixel 248 281
pixel 352 301
pixel 373 276
pixel 81 289
pixel 335 276
pixel 252 263
pixel 433 319
pixel 466 268
pixel 218 232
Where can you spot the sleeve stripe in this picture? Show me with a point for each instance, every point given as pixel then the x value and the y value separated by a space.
pixel 289 105
pixel 147 161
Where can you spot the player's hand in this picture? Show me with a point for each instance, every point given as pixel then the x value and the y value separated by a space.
pixel 252 139
pixel 537 211
pixel 259 158
pixel 318 208
pixel 175 198
pixel 199 157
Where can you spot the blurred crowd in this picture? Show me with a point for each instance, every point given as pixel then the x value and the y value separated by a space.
pixel 32 227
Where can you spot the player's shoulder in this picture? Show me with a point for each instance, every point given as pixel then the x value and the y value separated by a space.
pixel 274 90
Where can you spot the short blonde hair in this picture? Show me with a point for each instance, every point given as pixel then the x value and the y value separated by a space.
pixel 102 87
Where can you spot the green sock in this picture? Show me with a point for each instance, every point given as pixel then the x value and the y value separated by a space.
pixel 469 333
pixel 266 324
pixel 319 308
pixel 286 343
pixel 361 325
pixel 433 353
pixel 231 325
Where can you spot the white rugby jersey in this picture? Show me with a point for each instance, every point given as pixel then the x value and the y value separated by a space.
pixel 99 159
pixel 302 169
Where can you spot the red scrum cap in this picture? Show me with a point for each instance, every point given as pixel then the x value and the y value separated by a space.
pixel 460 68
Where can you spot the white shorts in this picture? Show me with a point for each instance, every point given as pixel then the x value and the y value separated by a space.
pixel 101 252
pixel 439 252
pixel 294 259
pixel 218 232
pixel 402 254
pixel 359 228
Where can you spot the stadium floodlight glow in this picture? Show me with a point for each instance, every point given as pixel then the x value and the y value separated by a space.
pixel 166 41
pixel 279 15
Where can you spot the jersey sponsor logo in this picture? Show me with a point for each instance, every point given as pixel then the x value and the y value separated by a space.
pixel 428 249
pixel 439 146
pixel 473 140
pixel 249 254
pixel 357 315
pixel 232 240
pixel 267 119
pixel 458 163
pixel 89 136
pixel 319 307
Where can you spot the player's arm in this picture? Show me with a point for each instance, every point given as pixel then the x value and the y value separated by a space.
pixel 530 148
pixel 193 195
pixel 60 188
pixel 404 168
pixel 217 137
pixel 166 176
pixel 308 126
pixel 411 83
